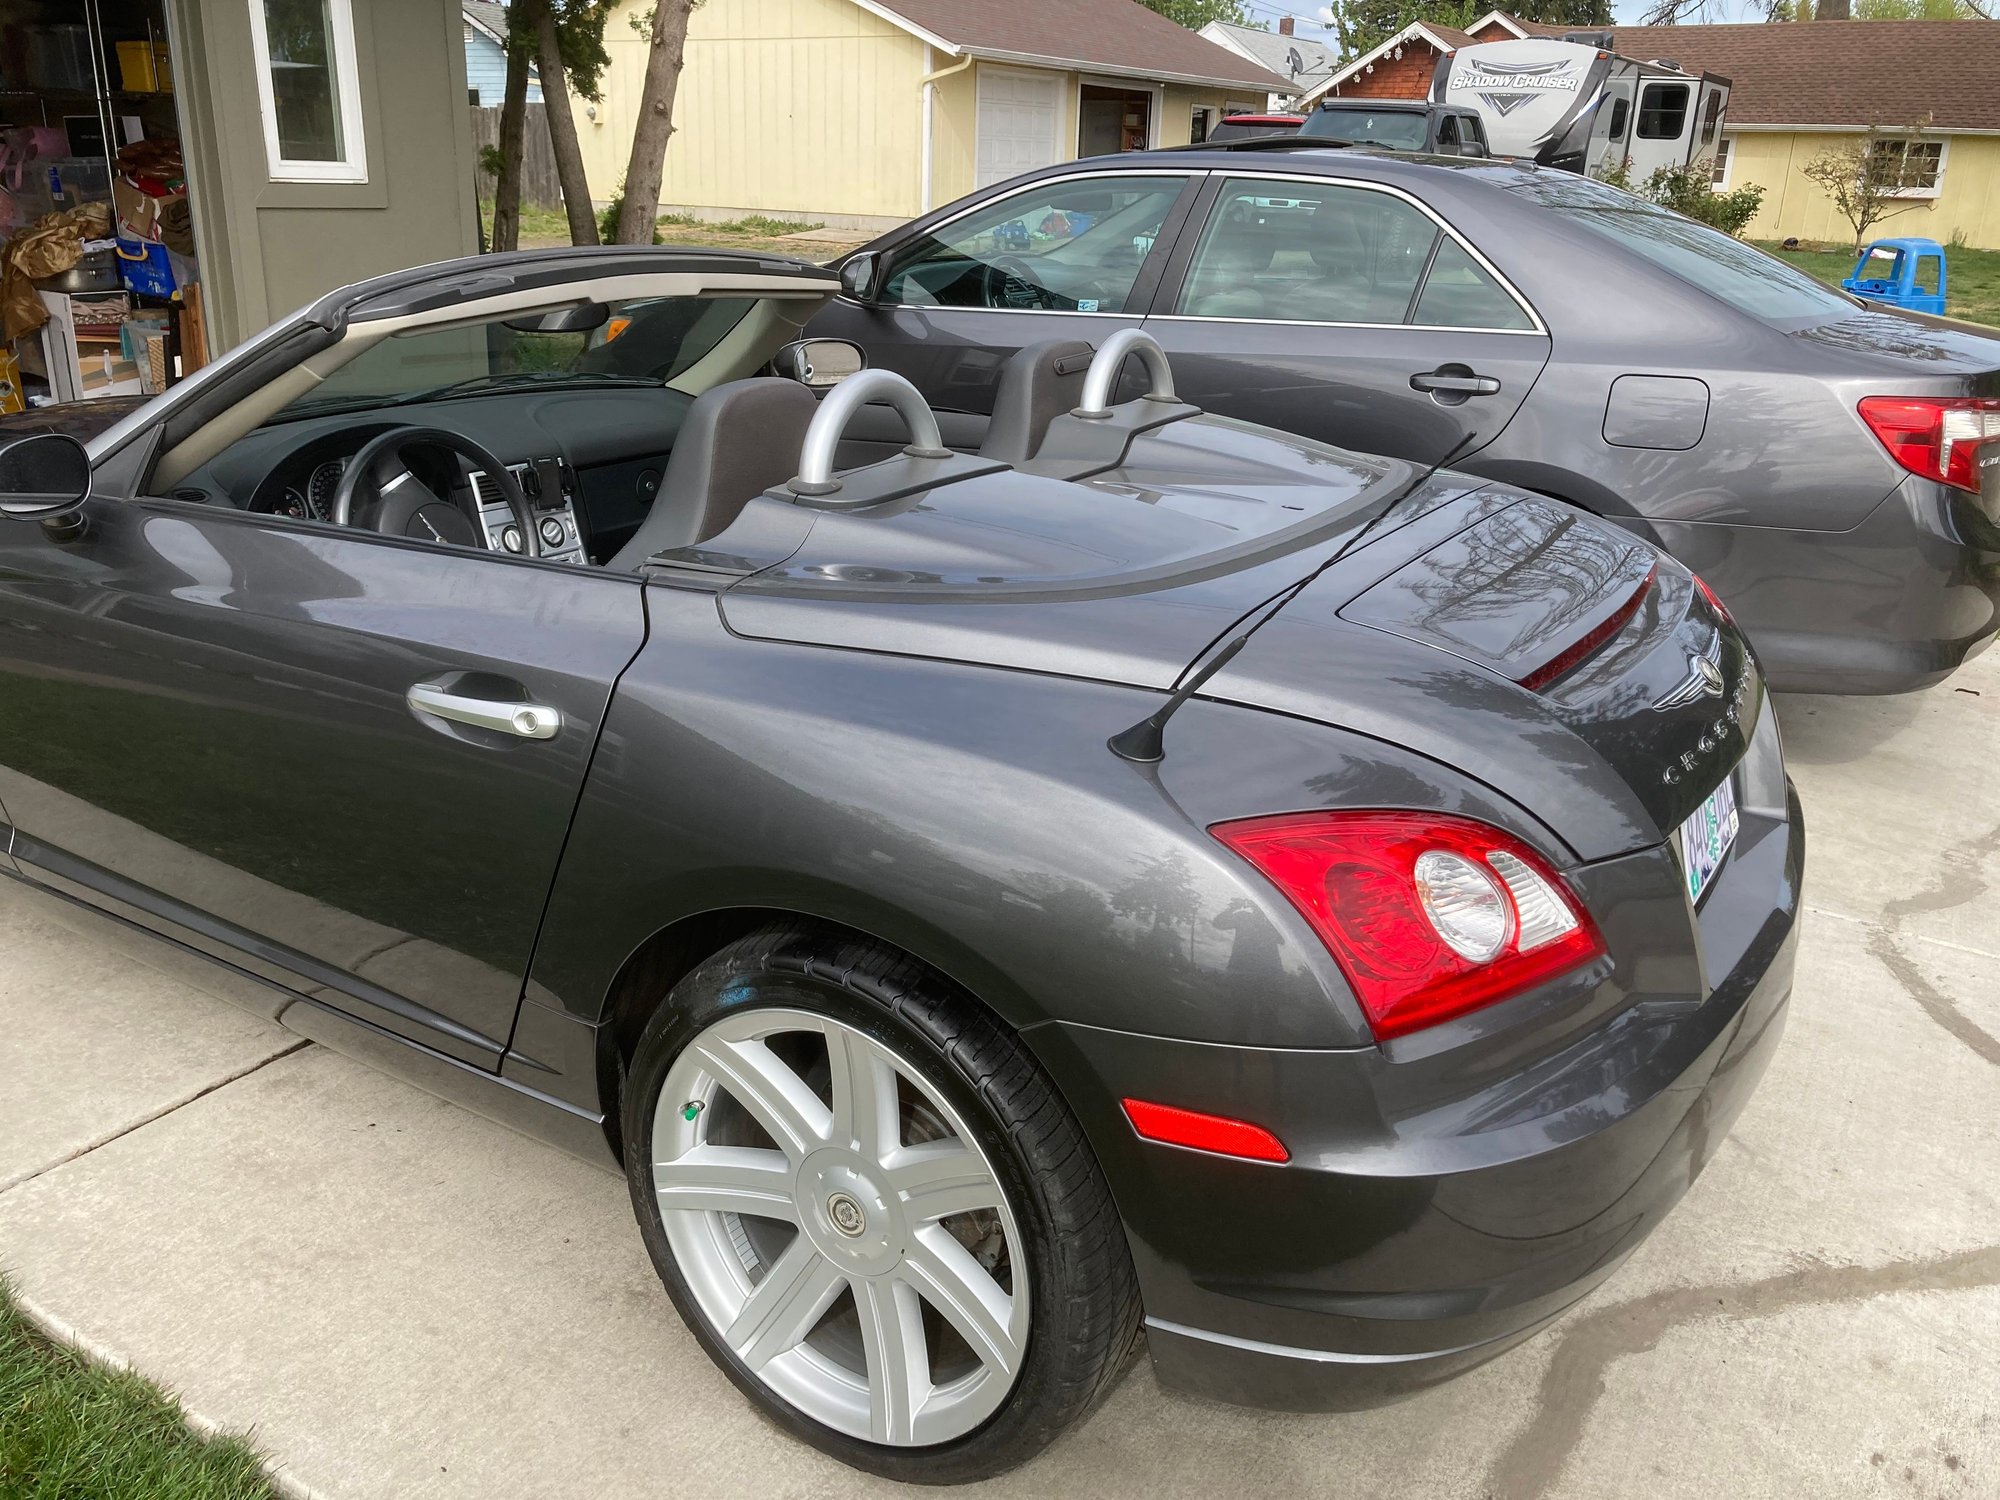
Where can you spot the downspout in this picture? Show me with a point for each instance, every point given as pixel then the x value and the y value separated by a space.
pixel 930 82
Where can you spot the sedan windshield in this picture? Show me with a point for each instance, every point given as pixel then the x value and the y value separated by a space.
pixel 1397 129
pixel 645 341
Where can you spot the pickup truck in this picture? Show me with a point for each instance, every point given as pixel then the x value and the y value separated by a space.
pixel 1398 125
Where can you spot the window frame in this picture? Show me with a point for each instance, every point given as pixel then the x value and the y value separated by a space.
pixel 1653 85
pixel 1936 188
pixel 1722 163
pixel 352 165
pixel 1144 293
pixel 1175 281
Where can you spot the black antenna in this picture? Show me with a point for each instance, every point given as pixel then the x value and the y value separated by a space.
pixel 1145 742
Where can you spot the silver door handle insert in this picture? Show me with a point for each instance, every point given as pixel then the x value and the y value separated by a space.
pixel 530 721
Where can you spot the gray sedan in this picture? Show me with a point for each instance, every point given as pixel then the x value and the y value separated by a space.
pixel 1830 469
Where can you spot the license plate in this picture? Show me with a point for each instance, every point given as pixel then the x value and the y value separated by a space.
pixel 1705 838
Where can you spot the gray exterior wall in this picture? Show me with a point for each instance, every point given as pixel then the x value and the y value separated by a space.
pixel 267 247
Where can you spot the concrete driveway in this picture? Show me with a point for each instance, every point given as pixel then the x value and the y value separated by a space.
pixel 398 1299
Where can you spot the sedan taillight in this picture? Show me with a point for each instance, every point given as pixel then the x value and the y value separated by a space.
pixel 1937 438
pixel 1428 915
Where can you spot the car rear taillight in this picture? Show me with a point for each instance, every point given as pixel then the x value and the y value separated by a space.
pixel 1714 603
pixel 1428 915
pixel 1937 438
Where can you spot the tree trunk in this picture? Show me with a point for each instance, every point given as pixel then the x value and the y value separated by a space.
pixel 656 122
pixel 523 21
pixel 562 136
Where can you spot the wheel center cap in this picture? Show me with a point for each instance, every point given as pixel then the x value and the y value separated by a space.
pixel 846 1215
pixel 849 1213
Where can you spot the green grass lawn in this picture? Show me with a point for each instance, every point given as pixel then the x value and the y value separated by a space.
pixel 1972 276
pixel 72 1431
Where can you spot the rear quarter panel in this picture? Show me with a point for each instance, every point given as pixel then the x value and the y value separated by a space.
pixel 975 818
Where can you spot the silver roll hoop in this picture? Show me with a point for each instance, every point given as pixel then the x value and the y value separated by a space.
pixel 1102 377
pixel 837 409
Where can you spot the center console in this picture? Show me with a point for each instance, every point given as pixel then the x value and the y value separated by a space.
pixel 550 485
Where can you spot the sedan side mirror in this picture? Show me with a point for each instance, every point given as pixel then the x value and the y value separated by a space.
pixel 819 363
pixel 43 476
pixel 859 274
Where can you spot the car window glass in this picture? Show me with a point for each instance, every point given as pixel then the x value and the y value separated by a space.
pixel 651 338
pixel 1663 111
pixel 1307 252
pixel 1397 129
pixel 1448 131
pixel 1460 293
pixel 1065 246
pixel 1475 132
pixel 1741 275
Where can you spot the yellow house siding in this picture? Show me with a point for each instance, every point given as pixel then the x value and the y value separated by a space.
pixel 814 109
pixel 1794 205
pixel 785 107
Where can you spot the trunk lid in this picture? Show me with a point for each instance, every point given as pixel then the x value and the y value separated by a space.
pixel 1423 636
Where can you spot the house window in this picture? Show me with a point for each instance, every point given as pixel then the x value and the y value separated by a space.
pixel 1200 123
pixel 1913 169
pixel 1718 165
pixel 307 90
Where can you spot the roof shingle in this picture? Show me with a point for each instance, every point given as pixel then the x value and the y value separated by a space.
pixel 1120 36
pixel 1856 73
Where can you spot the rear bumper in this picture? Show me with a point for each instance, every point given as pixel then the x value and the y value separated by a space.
pixel 1894 605
pixel 1426 1222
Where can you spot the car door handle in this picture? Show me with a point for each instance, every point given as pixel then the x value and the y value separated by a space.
pixel 530 721
pixel 1455 382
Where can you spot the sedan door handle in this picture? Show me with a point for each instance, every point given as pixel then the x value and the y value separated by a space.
pixel 530 721
pixel 1455 381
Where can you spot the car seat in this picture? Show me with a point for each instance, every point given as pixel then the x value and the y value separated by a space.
pixel 737 441
pixel 1038 384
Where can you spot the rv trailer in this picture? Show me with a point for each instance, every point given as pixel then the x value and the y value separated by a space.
pixel 1577 105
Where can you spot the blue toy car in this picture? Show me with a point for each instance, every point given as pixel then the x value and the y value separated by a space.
pixel 1893 272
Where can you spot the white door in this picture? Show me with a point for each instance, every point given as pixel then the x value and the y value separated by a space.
pixel 1020 124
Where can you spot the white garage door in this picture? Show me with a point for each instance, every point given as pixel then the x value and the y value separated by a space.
pixel 1020 124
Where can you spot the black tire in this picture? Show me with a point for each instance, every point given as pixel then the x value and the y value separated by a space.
pixel 1084 1297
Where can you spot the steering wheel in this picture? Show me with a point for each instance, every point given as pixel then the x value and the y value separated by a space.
pixel 1010 282
pixel 379 491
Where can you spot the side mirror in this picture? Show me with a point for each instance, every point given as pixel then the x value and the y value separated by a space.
pixel 582 317
pixel 42 476
pixel 819 363
pixel 859 274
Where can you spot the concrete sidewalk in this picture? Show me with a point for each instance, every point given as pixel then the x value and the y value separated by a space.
pixel 399 1299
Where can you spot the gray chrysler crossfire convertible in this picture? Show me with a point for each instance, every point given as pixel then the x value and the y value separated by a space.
pixel 1831 470
pixel 1156 873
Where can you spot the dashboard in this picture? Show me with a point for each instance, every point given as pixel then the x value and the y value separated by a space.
pixel 589 460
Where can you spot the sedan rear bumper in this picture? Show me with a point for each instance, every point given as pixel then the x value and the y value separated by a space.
pixel 1892 606
pixel 1422 1226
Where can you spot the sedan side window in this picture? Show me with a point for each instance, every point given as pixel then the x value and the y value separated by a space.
pixel 1302 252
pixel 1067 246
pixel 1460 293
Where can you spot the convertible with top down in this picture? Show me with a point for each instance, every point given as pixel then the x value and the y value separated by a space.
pixel 1142 873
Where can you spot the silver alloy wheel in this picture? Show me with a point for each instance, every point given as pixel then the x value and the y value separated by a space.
pixel 835 1202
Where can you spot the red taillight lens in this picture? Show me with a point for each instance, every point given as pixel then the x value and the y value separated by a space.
pixel 1429 915
pixel 1714 603
pixel 1938 439
pixel 1575 655
pixel 1200 1132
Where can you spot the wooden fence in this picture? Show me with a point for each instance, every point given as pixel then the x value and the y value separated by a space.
pixel 540 188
